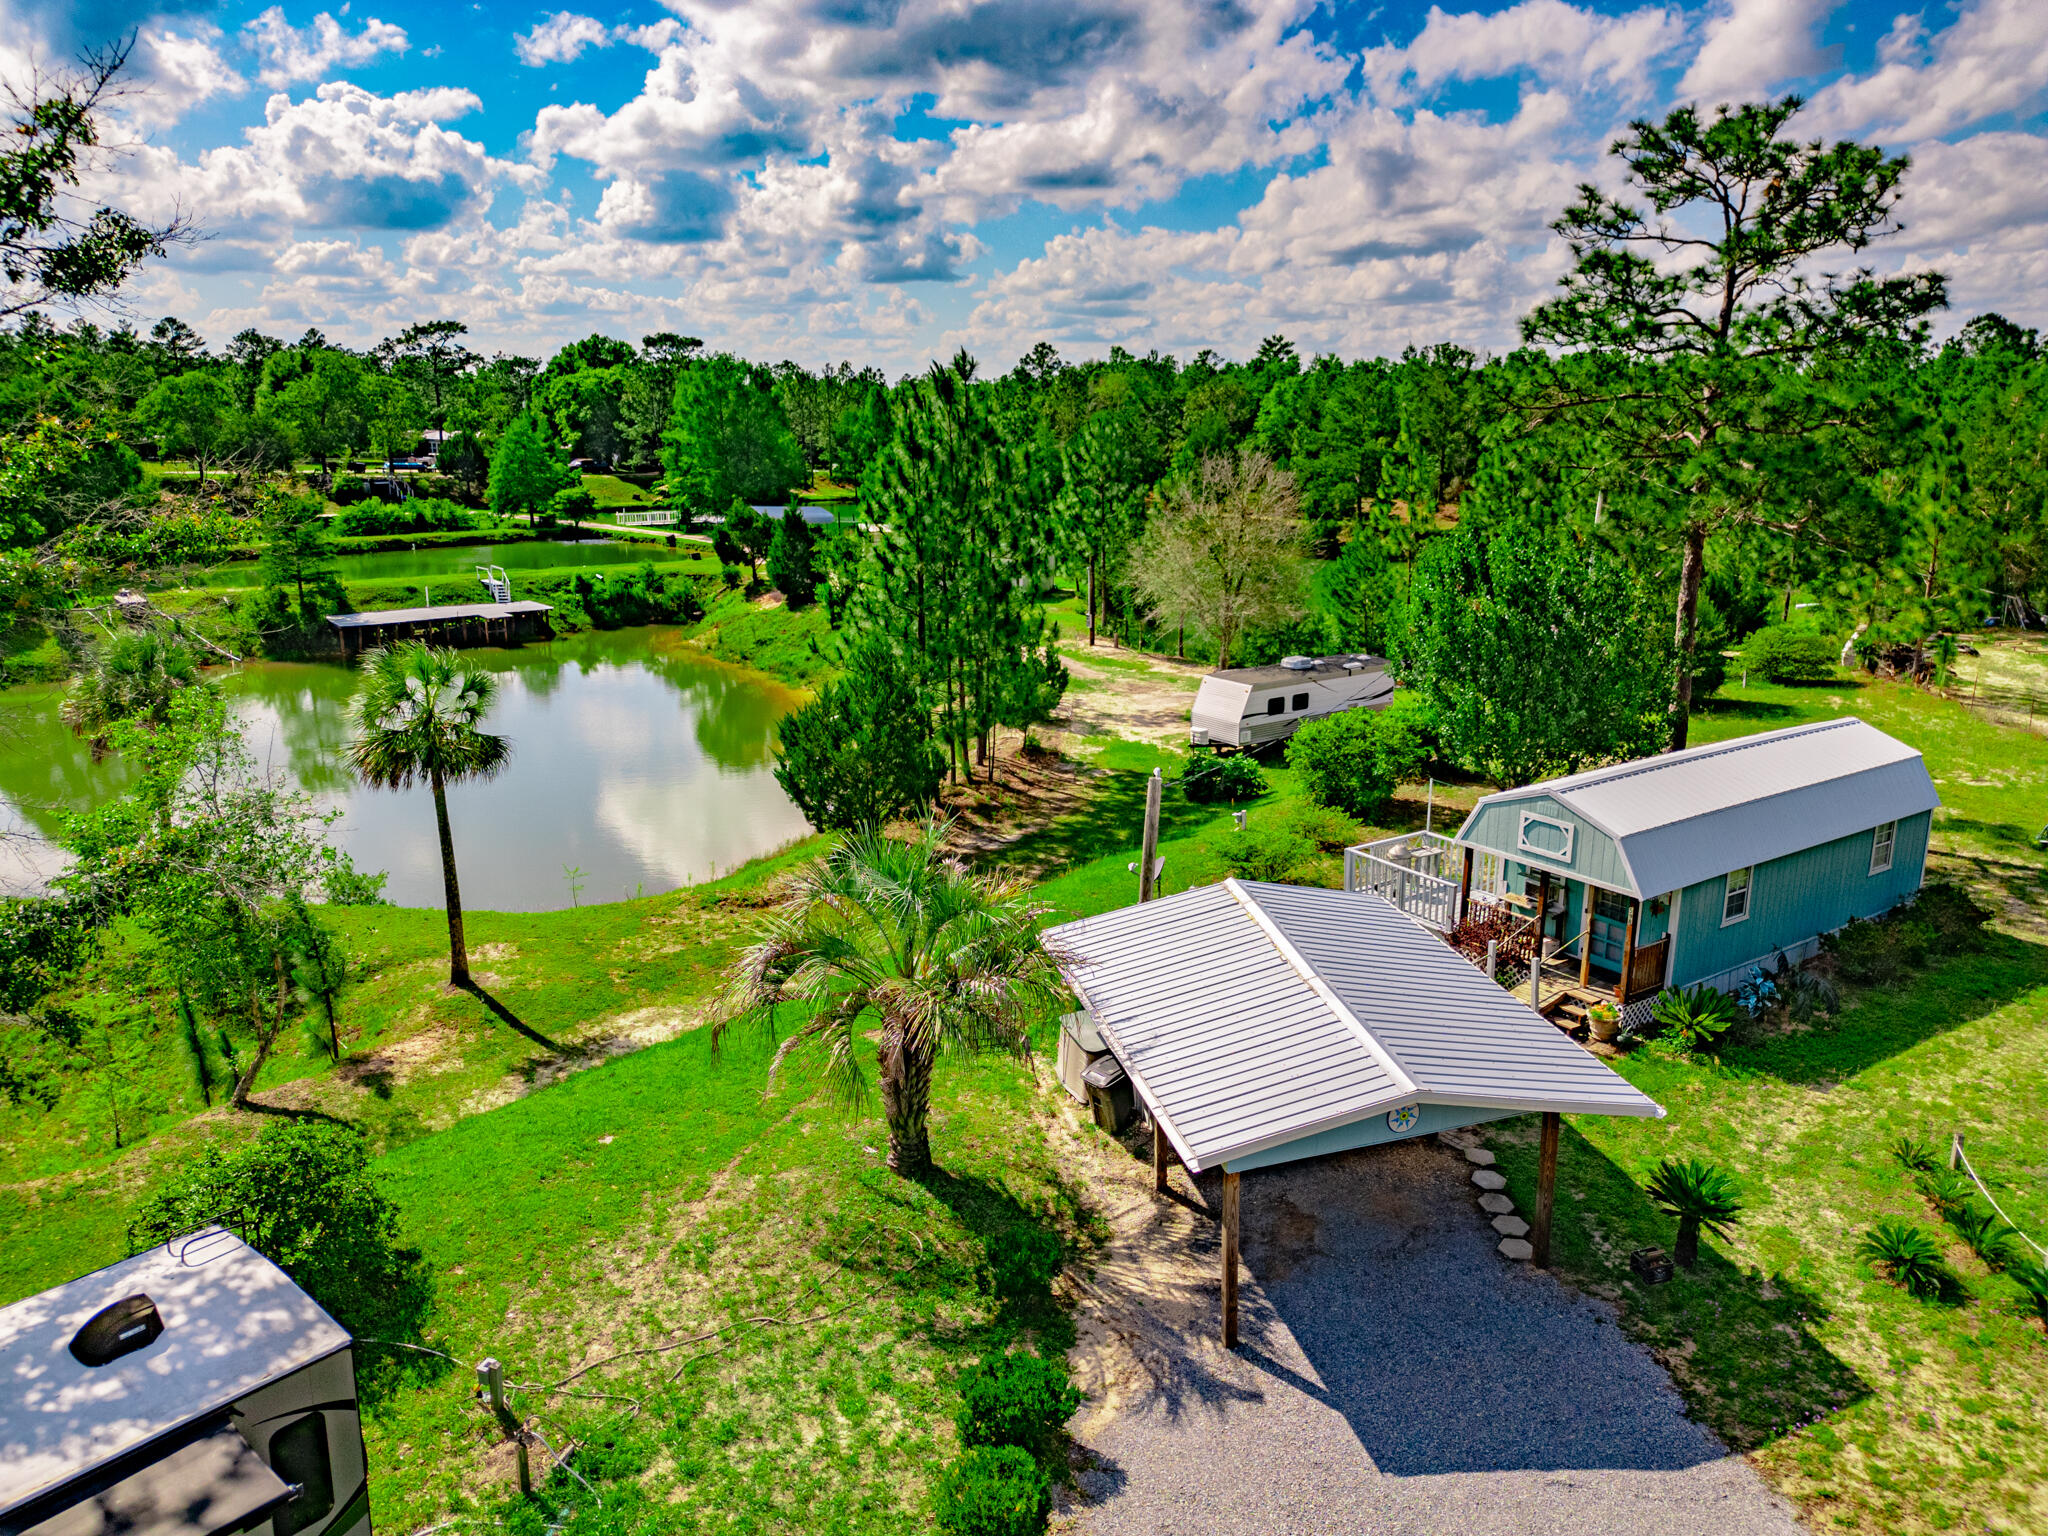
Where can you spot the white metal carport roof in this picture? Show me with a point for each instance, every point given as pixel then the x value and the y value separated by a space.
pixel 1251 1015
pixel 1683 817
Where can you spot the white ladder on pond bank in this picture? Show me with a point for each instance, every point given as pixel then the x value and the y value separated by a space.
pixel 496 583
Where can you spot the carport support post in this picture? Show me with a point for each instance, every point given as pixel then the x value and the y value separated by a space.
pixel 1546 1190
pixel 1229 1259
pixel 1160 1156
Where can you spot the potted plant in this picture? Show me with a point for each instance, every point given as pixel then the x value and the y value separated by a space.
pixel 1603 1022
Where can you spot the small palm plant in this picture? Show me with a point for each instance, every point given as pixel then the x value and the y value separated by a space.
pixel 1914 1155
pixel 2032 1275
pixel 894 942
pixel 415 717
pixel 1700 1196
pixel 1909 1257
pixel 1946 1190
pixel 1989 1238
pixel 1693 1017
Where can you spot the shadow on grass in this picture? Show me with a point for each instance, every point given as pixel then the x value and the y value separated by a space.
pixel 1747 709
pixel 1880 1022
pixel 512 1018
pixel 1739 1345
pixel 1112 821
pixel 291 1112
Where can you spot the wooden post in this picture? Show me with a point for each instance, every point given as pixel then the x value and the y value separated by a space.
pixel 1628 954
pixel 490 1376
pixel 1465 888
pixel 1546 1190
pixel 1586 937
pixel 1230 1260
pixel 1149 848
pixel 1162 1153
pixel 1542 923
pixel 1955 1149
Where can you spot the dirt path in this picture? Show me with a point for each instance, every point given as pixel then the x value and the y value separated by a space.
pixel 1116 692
pixel 1396 1375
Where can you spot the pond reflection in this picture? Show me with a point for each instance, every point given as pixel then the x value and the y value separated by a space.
pixel 637 759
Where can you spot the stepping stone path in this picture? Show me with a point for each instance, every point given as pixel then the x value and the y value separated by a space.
pixel 1513 1230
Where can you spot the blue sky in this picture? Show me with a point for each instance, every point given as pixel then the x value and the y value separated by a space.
pixel 887 180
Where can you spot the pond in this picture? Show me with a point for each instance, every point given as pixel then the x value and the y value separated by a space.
pixel 463 559
pixel 635 759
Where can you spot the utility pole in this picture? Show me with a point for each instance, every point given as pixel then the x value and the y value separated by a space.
pixel 1148 862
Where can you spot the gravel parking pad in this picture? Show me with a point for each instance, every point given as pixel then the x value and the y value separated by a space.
pixel 1395 1375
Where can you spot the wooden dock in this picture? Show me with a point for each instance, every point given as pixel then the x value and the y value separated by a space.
pixel 464 624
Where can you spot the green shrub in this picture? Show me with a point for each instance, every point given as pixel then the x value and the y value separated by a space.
pixel 993 1490
pixel 1210 780
pixel 1330 830
pixel 1952 919
pixel 302 1195
pixel 1783 654
pixel 1874 953
pixel 418 514
pixel 1354 761
pixel 1270 852
pixel 1022 1259
pixel 1908 1257
pixel 1021 1400
pixel 1693 1018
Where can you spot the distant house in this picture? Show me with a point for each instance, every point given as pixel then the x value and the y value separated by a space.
pixel 1696 865
pixel 1250 706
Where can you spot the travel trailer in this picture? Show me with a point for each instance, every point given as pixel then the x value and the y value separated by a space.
pixel 192 1390
pixel 1250 706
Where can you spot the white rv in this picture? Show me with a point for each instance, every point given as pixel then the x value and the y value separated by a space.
pixel 1250 706
pixel 192 1390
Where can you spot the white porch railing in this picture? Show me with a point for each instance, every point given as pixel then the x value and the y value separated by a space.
pixel 1411 871
pixel 660 518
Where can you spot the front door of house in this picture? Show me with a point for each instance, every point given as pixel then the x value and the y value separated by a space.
pixel 1610 928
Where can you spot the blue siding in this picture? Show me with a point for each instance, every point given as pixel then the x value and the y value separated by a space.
pixel 1793 899
pixel 1369 1132
pixel 1496 829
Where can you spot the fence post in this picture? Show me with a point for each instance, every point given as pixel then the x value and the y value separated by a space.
pixel 490 1377
pixel 1955 1150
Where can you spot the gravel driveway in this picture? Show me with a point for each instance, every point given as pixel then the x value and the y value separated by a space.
pixel 1395 1375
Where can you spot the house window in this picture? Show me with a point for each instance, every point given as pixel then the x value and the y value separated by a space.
pixel 1300 701
pixel 1276 705
pixel 1882 841
pixel 1735 903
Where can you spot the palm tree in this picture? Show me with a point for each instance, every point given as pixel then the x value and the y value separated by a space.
pixel 1699 1195
pixel 132 678
pixel 415 715
pixel 890 939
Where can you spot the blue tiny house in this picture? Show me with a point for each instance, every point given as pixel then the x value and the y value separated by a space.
pixel 1693 866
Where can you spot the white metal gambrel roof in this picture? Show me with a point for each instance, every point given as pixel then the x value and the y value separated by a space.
pixel 1688 816
pixel 1250 1015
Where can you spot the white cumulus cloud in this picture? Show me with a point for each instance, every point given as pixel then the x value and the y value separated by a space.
pixel 561 39
pixel 292 54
